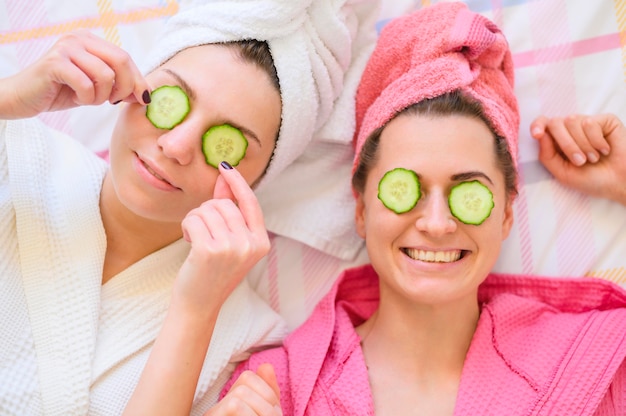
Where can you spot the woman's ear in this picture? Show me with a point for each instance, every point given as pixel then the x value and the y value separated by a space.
pixel 359 216
pixel 507 220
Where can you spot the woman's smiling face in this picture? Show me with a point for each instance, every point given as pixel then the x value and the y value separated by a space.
pixel 426 255
pixel 162 174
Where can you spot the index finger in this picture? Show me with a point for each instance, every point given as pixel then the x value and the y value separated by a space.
pixel 244 197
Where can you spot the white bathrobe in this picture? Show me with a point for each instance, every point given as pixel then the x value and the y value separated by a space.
pixel 69 345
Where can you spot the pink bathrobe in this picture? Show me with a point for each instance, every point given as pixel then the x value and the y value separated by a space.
pixel 543 346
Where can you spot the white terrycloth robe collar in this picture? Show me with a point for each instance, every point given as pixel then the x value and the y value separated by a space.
pixel 61 249
pixel 91 340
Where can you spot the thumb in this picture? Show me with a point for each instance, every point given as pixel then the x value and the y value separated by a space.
pixel 222 190
pixel 267 373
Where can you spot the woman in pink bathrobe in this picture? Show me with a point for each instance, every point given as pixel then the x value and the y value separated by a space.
pixel 427 329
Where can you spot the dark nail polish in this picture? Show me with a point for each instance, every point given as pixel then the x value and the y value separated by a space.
pixel 146 97
pixel 226 165
pixel 117 102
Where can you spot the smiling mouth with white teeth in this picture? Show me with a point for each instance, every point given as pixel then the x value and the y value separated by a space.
pixel 433 256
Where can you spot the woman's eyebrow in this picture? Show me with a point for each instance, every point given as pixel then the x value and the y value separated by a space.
pixel 459 177
pixel 247 132
pixel 190 93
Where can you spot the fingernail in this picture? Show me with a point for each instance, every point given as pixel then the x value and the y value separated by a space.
pixel 593 158
pixel 605 151
pixel 117 102
pixel 226 165
pixel 146 97
pixel 536 132
pixel 578 159
pixel 278 410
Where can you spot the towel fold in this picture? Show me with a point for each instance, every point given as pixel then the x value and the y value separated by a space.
pixel 432 51
pixel 319 48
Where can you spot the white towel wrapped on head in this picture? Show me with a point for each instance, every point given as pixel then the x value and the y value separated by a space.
pixel 319 48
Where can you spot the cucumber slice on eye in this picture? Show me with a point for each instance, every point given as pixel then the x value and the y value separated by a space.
pixel 399 190
pixel 168 107
pixel 224 143
pixel 471 202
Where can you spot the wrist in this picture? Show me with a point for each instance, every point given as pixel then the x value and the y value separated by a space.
pixel 10 102
pixel 192 313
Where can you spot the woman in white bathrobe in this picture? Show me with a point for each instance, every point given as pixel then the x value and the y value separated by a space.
pixel 93 255
pixel 70 225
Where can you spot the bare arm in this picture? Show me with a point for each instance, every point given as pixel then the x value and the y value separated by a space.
pixel 227 239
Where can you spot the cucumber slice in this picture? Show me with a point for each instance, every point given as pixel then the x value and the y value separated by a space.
pixel 471 202
pixel 224 143
pixel 399 190
pixel 168 107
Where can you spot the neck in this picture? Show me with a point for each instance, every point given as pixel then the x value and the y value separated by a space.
pixel 425 342
pixel 415 353
pixel 129 237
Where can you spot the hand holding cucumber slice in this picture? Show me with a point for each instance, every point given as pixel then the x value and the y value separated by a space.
pixel 399 190
pixel 168 108
pixel 471 202
pixel 224 143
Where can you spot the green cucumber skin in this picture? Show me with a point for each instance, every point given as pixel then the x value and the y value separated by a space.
pixel 388 190
pixel 169 121
pixel 399 190
pixel 480 195
pixel 212 157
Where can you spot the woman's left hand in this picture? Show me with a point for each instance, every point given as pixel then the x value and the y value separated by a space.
pixel 228 237
pixel 586 153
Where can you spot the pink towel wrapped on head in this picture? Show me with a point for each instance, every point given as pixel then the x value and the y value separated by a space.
pixel 431 52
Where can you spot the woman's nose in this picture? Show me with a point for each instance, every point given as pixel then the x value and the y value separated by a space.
pixel 434 216
pixel 181 143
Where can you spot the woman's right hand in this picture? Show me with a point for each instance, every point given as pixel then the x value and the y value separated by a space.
pixel 253 394
pixel 80 69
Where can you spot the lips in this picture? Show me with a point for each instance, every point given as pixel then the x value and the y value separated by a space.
pixel 156 175
pixel 152 174
pixel 448 256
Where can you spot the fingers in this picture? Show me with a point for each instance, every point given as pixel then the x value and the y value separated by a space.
pixel 234 207
pixel 112 74
pixel 251 394
pixel 267 373
pixel 593 128
pixel 222 221
pixel 96 81
pixel 611 128
pixel 222 190
pixel 538 127
pixel 579 138
pixel 243 195
pixel 129 82
pixel 600 142
pixel 223 251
